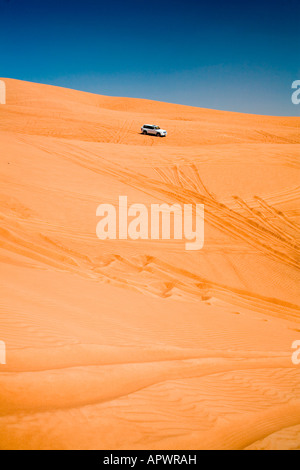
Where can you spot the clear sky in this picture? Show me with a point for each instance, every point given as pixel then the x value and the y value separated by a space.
pixel 234 55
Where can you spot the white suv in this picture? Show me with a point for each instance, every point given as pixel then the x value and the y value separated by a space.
pixel 153 130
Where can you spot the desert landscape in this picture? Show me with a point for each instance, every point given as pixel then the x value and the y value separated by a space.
pixel 140 344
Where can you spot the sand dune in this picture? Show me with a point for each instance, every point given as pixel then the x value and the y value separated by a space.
pixel 123 344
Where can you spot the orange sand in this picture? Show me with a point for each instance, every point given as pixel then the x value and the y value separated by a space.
pixel 141 344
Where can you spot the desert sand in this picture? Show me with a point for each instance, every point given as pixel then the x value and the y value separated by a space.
pixel 123 344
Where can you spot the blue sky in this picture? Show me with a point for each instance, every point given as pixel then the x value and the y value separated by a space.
pixel 233 55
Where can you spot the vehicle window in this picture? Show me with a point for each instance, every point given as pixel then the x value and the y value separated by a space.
pixel 156 127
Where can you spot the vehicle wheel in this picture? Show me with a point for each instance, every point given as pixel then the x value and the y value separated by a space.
pixel 145 132
pixel 158 134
